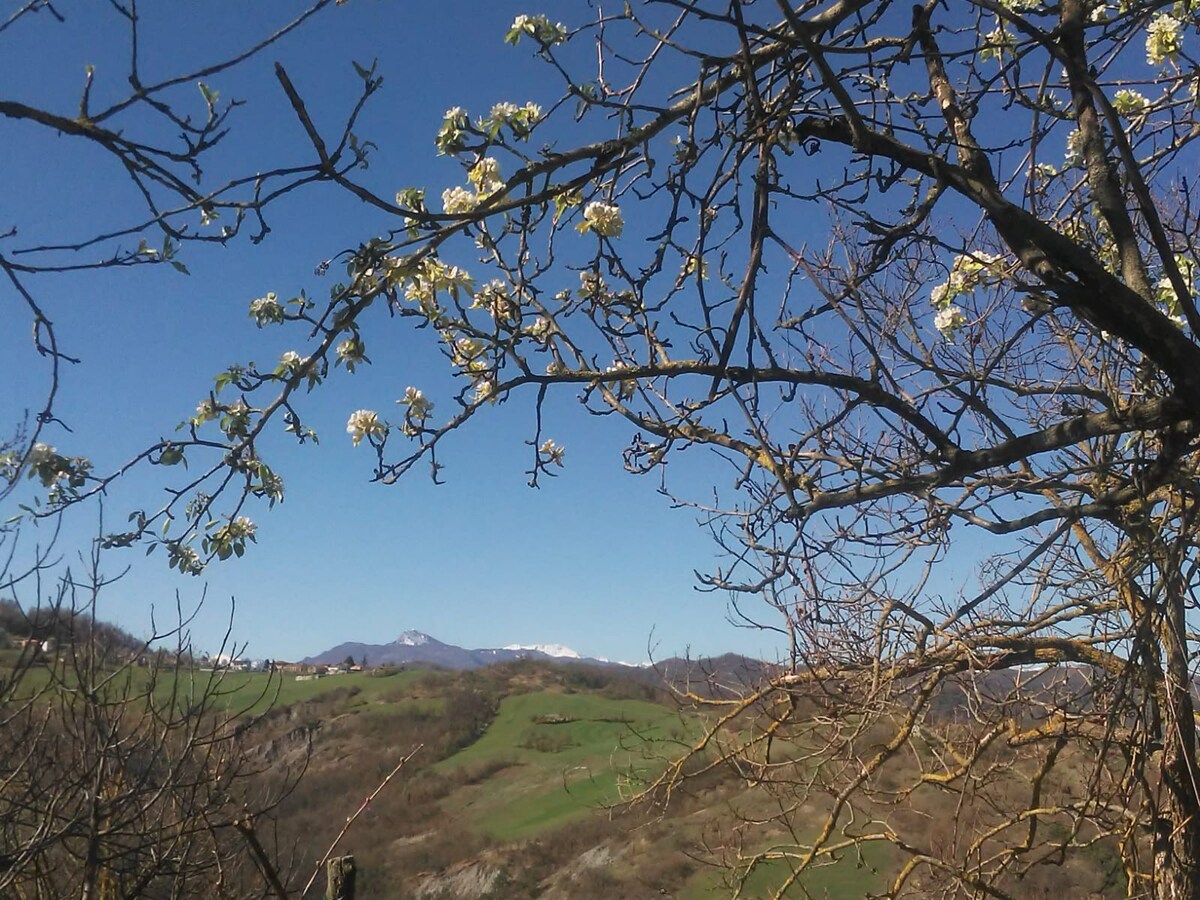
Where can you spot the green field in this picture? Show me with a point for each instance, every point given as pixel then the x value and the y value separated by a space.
pixel 560 770
pixel 258 691
pixel 238 692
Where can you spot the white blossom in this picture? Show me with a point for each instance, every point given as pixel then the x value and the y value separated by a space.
pixel 591 284
pixel 996 43
pixel 364 423
pixel 520 119
pixel 494 297
pixel 1163 40
pixel 485 389
pixel 206 411
pixel 468 353
pixel 538 27
pixel 552 452
pixel 458 200
pixel 241 527
pixel 1074 154
pixel 1165 291
pixel 237 418
pixel 40 455
pixel 419 406
pixel 185 559
pixel 603 218
pixel 291 360
pixel 351 352
pixel 266 310
pixel 502 112
pixel 1129 104
pixel 485 175
pixel 450 135
pixel 949 320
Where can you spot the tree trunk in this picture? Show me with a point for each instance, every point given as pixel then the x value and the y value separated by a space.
pixel 1177 828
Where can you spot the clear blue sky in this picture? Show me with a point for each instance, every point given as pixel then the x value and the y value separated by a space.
pixel 596 559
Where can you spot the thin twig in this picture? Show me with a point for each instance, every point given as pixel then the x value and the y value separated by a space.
pixel 350 821
pixel 246 826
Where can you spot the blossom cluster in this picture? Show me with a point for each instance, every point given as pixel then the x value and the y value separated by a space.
pixel 1165 291
pixel 457 201
pixel 451 137
pixel 1130 105
pixel 996 43
pixel 266 310
pixel 484 177
pixel 364 423
pixel 519 119
pixel 351 352
pixel 229 540
pixel 603 218
pixel 1163 39
pixel 290 361
pixel 413 200
pixel 551 453
pixel 206 410
pixel 456 125
pixel 419 406
pixel 236 421
pixel 184 558
pixel 430 278
pixel 967 272
pixel 55 470
pixel 625 388
pixel 495 299
pixel 538 27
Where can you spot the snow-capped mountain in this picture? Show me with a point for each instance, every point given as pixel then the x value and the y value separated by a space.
pixel 418 647
pixel 559 651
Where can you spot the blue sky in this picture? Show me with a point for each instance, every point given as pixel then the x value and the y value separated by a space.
pixel 596 559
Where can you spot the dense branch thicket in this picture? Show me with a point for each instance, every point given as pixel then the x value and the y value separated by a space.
pixel 124 770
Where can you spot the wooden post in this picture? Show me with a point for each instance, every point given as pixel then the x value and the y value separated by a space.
pixel 340 878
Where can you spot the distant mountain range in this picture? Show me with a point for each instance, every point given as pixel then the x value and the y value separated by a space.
pixel 418 647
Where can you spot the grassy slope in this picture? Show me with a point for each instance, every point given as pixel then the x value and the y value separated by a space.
pixel 543 773
pixel 541 791
pixel 580 769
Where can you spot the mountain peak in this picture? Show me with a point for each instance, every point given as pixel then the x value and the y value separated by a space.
pixel 413 639
pixel 557 650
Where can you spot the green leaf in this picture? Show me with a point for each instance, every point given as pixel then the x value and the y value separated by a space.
pixel 180 267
